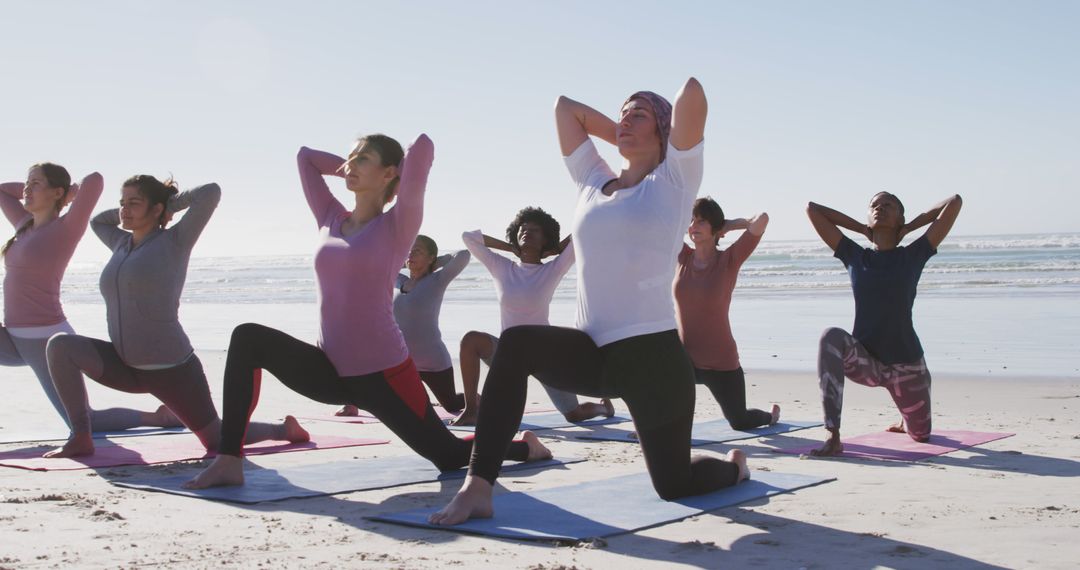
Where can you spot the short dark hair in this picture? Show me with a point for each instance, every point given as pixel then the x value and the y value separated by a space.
pixel 707 209
pixel 535 216
pixel 890 195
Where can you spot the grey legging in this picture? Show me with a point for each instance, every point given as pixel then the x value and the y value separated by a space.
pixel 17 351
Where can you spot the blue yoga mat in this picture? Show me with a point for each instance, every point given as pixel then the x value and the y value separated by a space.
pixel 30 437
pixel 603 508
pixel 713 431
pixel 262 485
pixel 539 422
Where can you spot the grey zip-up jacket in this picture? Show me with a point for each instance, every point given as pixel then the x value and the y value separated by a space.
pixel 142 284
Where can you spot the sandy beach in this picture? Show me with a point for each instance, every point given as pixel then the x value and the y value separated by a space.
pixel 1010 503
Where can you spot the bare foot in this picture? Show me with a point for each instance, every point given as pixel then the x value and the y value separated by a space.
pixel 473 501
pixel 737 457
pixel 537 450
pixel 609 408
pixel 294 432
pixel 898 427
pixel 467 418
pixel 78 445
pixel 832 447
pixel 163 417
pixel 224 470
pixel 348 410
pixel 775 415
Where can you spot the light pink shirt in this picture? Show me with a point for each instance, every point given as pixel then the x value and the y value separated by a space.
pixel 524 290
pixel 36 262
pixel 703 297
pixel 355 274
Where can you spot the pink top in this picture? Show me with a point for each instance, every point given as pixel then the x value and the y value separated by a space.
pixel 703 297
pixel 355 274
pixel 36 262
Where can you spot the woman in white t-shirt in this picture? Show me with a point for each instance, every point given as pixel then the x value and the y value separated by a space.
pixel 627 234
pixel 524 289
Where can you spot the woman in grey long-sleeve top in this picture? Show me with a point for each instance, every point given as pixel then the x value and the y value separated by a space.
pixel 417 303
pixel 149 351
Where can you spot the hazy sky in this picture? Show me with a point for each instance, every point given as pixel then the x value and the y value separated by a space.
pixel 824 101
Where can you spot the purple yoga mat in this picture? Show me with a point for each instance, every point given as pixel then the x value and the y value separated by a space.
pixel 900 446
pixel 159 450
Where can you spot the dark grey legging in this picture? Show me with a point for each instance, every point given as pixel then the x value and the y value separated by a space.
pixel 651 372
pixel 182 388
pixel 729 389
pixel 16 351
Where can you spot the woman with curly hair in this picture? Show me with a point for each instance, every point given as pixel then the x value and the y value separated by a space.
pixel 524 289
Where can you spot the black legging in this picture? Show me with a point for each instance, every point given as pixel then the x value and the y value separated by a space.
pixel 441 383
pixel 652 374
pixel 729 389
pixel 306 370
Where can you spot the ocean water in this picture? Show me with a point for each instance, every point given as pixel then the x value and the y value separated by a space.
pixel 992 305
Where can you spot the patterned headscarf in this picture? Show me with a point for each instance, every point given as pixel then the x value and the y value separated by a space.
pixel 661 109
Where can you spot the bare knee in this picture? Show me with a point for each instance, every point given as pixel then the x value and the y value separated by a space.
pixel 476 344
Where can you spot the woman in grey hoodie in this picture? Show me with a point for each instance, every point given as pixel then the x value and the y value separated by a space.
pixel 149 351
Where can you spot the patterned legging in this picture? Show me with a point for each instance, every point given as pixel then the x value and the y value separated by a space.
pixel 908 383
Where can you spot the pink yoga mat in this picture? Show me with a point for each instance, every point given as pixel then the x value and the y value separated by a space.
pixel 900 446
pixel 366 418
pixel 159 450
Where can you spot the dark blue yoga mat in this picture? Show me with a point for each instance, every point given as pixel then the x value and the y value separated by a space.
pixel 30 437
pixel 603 508
pixel 262 485
pixel 539 422
pixel 713 431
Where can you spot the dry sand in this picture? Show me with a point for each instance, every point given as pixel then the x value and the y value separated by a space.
pixel 1011 503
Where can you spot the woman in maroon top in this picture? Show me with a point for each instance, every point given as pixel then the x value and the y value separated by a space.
pixel 703 284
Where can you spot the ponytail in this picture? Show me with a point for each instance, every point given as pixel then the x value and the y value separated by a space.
pixel 155 191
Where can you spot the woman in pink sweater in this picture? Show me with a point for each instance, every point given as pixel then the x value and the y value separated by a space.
pixel 360 357
pixel 35 260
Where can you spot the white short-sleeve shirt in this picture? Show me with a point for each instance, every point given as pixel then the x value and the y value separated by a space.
pixel 524 290
pixel 627 244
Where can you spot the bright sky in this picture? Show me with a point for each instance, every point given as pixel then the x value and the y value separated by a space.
pixel 823 101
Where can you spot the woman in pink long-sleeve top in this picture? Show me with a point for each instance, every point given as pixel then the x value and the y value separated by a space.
pixel 35 260
pixel 360 357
